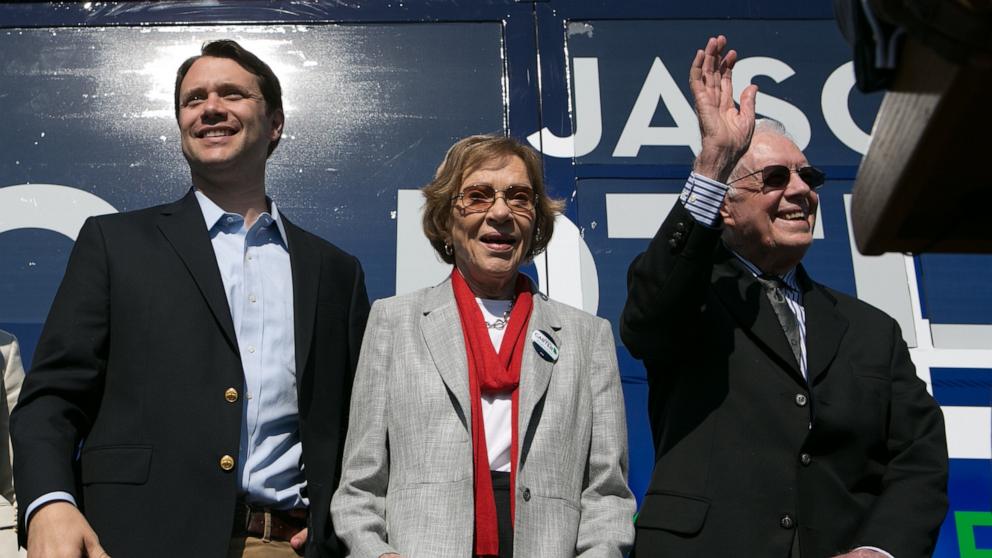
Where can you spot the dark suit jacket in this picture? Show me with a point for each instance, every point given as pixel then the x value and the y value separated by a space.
pixel 134 360
pixel 856 457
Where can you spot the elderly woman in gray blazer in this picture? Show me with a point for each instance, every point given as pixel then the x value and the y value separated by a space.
pixel 486 419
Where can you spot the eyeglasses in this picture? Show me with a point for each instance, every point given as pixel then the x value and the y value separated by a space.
pixel 777 176
pixel 480 197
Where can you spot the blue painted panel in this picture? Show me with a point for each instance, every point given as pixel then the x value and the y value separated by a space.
pixel 983 538
pixel 964 387
pixel 956 288
pixel 676 9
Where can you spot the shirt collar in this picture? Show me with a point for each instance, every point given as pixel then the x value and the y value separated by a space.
pixel 789 277
pixel 213 213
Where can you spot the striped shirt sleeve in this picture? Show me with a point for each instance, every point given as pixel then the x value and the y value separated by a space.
pixel 702 198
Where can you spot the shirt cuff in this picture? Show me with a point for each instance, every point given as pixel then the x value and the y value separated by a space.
pixel 876 549
pixel 47 499
pixel 702 198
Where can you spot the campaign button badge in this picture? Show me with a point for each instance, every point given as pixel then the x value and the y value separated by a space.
pixel 545 346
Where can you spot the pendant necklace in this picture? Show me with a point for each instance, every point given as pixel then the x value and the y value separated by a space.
pixel 500 322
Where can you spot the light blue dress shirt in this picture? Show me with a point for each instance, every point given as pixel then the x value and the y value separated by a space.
pixel 258 281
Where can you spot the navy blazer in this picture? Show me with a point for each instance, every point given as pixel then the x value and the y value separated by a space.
pixel 746 451
pixel 133 363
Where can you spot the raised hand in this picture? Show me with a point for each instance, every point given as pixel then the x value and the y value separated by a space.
pixel 725 130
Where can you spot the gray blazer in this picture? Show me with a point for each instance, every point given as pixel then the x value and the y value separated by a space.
pixel 10 387
pixel 406 483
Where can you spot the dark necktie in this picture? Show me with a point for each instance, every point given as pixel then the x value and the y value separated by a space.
pixel 775 289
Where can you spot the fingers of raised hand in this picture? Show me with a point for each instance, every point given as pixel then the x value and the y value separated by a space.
pixel 747 114
pixel 711 64
pixel 696 69
pixel 703 77
pixel 727 80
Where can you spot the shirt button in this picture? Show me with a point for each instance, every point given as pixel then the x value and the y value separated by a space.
pixel 227 463
pixel 251 348
pixel 786 522
pixel 230 395
pixel 805 459
pixel 801 399
pixel 250 258
pixel 252 299
pixel 526 495
pixel 230 219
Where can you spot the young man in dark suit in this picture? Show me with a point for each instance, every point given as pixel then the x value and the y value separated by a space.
pixel 201 353
pixel 787 418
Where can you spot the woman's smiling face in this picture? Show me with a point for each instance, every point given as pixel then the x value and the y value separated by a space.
pixel 491 245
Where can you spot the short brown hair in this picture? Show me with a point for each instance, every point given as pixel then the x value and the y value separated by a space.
pixel 226 48
pixel 468 155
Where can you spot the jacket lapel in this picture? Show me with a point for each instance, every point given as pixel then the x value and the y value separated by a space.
pixel 825 326
pixel 305 263
pixel 535 371
pixel 745 298
pixel 441 327
pixel 183 226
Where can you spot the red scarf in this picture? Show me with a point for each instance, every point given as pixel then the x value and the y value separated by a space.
pixel 488 373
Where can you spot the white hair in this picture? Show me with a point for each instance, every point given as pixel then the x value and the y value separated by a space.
pixel 772 126
pixel 761 126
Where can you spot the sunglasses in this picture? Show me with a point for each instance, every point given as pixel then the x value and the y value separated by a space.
pixel 778 176
pixel 480 197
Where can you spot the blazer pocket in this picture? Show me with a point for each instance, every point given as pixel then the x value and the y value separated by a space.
pixel 116 464
pixel 873 372
pixel 677 513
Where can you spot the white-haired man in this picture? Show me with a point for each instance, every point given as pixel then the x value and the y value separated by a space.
pixel 787 417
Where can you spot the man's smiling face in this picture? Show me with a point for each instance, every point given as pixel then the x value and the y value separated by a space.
pixel 223 118
pixel 771 227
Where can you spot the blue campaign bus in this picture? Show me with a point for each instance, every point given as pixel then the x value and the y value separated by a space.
pixel 375 91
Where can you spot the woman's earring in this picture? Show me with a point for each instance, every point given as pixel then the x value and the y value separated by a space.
pixel 531 252
pixel 447 249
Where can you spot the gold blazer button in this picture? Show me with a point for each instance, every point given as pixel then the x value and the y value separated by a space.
pixel 227 463
pixel 231 395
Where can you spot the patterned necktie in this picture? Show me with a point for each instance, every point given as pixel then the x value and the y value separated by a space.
pixel 774 288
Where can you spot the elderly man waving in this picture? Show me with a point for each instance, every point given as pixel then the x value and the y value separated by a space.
pixel 787 417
